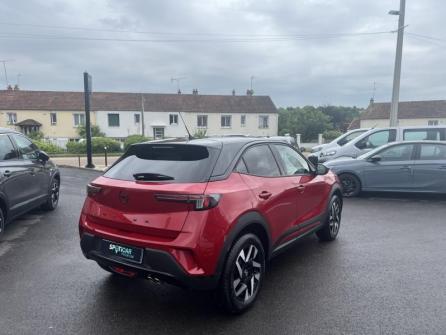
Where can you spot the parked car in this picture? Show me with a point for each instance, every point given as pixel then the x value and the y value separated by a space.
pixel 208 213
pixel 339 141
pixel 414 166
pixel 377 137
pixel 28 179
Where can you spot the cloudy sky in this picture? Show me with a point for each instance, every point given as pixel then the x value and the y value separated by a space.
pixel 299 51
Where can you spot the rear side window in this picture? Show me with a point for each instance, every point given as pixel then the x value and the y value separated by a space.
pixel 433 152
pixel 176 163
pixel 7 150
pixel 260 161
pixel 435 134
pixel 377 139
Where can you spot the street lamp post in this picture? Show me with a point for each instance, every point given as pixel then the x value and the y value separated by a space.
pixel 398 58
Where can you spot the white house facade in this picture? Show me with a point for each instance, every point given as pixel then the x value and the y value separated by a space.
pixel 410 113
pixel 119 115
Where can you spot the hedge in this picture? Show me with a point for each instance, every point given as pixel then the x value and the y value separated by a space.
pixel 132 139
pixel 97 144
pixel 48 147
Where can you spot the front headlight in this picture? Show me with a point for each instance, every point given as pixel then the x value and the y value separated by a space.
pixel 328 153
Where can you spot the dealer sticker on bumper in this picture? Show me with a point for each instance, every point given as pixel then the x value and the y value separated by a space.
pixel 129 253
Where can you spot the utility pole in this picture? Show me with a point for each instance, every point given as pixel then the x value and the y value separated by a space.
pixel 87 94
pixel 398 58
pixel 142 115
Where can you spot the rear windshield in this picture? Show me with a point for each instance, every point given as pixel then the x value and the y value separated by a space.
pixel 178 163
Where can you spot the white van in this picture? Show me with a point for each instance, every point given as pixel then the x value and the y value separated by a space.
pixel 339 141
pixel 379 136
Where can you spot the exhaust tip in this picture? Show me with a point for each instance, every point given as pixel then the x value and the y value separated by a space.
pixel 154 279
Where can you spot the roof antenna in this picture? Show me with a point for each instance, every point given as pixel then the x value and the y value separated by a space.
pixel 185 126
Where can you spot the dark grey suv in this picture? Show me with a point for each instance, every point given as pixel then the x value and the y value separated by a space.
pixel 28 179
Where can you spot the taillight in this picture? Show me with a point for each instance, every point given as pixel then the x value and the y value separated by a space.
pixel 92 190
pixel 199 201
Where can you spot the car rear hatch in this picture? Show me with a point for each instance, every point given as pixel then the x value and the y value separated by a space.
pixel 152 188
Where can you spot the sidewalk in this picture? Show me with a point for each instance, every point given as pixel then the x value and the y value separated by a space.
pixel 98 161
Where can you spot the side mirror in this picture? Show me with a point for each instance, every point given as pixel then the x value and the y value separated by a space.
pixel 314 160
pixel 42 156
pixel 374 159
pixel 321 170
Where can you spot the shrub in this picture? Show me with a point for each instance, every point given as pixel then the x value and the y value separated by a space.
pixel 48 147
pixel 36 135
pixel 330 135
pixel 132 139
pixel 97 145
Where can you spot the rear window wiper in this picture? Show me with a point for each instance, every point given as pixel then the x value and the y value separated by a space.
pixel 151 176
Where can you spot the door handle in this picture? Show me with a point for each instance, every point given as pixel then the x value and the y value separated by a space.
pixel 7 173
pixel 300 188
pixel 265 195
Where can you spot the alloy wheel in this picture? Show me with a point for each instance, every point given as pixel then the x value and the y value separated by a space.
pixel 348 185
pixel 55 193
pixel 247 273
pixel 334 218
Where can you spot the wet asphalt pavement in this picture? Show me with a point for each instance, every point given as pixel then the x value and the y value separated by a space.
pixel 386 274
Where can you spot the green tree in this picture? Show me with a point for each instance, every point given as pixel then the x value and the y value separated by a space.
pixel 307 121
pixel 95 131
pixel 340 116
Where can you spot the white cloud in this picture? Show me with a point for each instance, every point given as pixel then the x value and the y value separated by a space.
pixel 292 72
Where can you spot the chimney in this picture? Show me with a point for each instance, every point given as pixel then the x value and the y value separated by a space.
pixel 233 93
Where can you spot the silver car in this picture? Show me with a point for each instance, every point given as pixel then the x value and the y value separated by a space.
pixel 412 166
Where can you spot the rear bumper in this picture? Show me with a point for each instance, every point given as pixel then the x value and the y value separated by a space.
pixel 156 263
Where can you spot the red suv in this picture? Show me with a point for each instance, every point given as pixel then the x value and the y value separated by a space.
pixel 207 214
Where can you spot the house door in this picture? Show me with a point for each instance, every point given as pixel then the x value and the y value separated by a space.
pixel 158 133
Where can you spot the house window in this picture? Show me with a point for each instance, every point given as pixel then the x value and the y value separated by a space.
pixel 79 119
pixel 202 121
pixel 243 120
pixel 432 123
pixel 173 118
pixel 158 133
pixel 113 120
pixel 12 118
pixel 263 121
pixel 226 121
pixel 53 118
pixel 137 118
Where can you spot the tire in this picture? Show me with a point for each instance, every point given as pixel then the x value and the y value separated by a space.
pixel 2 223
pixel 242 275
pixel 53 196
pixel 330 230
pixel 351 185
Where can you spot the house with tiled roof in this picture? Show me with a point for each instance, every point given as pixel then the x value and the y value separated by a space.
pixel 410 113
pixel 58 114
